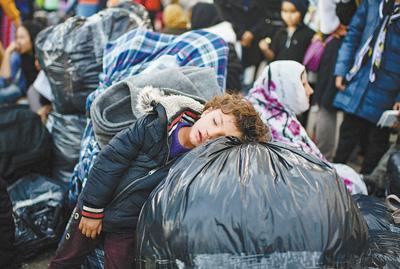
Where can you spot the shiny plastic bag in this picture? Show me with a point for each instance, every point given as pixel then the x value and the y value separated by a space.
pixel 67 132
pixel 38 204
pixel 226 203
pixel 383 251
pixel 375 213
pixel 71 53
pixel 25 144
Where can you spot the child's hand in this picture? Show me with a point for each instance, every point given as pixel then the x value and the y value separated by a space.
pixel 317 36
pixel 90 227
pixel 340 83
pixel 340 31
pixel 263 45
pixel 11 48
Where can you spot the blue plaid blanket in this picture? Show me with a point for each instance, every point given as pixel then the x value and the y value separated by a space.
pixel 131 54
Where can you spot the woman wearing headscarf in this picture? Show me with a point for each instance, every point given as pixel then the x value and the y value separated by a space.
pixel 18 70
pixel 281 93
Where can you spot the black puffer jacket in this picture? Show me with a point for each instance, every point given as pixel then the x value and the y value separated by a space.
pixel 252 19
pixel 134 162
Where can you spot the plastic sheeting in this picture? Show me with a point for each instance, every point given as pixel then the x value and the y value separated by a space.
pixel 37 205
pixel 384 235
pixel 246 202
pixel 71 53
pixel 383 251
pixel 67 132
pixel 25 144
pixel 374 212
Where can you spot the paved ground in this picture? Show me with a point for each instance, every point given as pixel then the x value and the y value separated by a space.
pixel 39 262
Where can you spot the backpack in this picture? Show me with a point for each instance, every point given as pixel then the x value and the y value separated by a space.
pixel 25 144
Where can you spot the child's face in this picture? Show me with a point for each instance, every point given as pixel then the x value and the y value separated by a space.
pixel 22 40
pixel 211 125
pixel 290 15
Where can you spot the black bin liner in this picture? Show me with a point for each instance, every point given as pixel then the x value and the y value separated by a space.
pixel 384 235
pixel 393 174
pixel 38 213
pixel 375 212
pixel 252 201
pixel 25 143
pixel 383 251
pixel 67 132
pixel 71 53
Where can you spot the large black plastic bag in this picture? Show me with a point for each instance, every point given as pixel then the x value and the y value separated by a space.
pixel 38 213
pixel 229 202
pixel 25 144
pixel 375 213
pixel 66 131
pixel 71 53
pixel 383 251
pixel 384 235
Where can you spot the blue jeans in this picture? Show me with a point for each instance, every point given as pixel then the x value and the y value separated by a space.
pixel 86 10
pixel 10 94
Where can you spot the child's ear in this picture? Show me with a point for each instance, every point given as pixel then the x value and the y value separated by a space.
pixel 205 112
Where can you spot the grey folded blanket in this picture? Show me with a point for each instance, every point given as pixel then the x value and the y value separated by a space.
pixel 116 108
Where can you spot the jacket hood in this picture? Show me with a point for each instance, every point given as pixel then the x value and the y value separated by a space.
pixel 175 88
pixel 173 102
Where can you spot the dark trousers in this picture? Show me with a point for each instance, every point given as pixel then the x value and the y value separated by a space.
pixel 8 252
pixel 355 130
pixel 74 247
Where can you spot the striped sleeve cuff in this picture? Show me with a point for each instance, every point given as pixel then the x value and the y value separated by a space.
pixel 92 213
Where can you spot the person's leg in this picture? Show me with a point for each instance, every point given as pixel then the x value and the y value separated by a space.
pixel 378 175
pixel 8 252
pixel 74 246
pixel 33 99
pixel 119 249
pixel 350 132
pixel 10 94
pixel 325 132
pixel 378 144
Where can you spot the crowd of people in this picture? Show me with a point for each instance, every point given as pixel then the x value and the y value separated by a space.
pixel 317 76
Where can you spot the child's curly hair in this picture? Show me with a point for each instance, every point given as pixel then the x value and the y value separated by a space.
pixel 248 120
